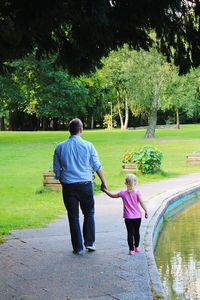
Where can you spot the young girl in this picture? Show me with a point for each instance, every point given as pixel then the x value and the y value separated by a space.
pixel 132 214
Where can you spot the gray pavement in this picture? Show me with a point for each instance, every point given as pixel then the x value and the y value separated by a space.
pixel 38 264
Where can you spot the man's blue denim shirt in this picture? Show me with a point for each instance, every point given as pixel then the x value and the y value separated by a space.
pixel 74 160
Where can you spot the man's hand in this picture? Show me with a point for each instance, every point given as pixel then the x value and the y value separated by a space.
pixel 103 187
pixel 146 215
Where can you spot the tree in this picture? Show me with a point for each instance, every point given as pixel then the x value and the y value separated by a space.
pixel 138 79
pixel 37 87
pixel 98 96
pixel 115 72
pixel 83 31
pixel 183 94
pixel 10 99
pixel 148 73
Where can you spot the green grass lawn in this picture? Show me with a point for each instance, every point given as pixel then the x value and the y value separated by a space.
pixel 24 156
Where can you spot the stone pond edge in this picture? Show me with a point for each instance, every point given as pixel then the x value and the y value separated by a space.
pixel 169 205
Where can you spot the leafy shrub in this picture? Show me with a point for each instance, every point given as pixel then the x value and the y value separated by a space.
pixel 147 160
pixel 107 122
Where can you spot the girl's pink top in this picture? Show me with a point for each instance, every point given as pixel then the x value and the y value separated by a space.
pixel 131 204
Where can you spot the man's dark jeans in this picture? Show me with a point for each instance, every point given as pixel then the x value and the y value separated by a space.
pixel 73 195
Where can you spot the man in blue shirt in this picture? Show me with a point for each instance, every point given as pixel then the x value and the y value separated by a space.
pixel 74 161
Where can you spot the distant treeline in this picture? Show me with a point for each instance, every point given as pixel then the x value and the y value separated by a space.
pixel 130 89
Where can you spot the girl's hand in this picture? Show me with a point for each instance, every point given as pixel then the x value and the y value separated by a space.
pixel 146 215
pixel 103 188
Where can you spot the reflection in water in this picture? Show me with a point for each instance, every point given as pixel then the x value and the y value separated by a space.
pixel 178 255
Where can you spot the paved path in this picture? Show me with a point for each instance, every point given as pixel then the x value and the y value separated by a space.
pixel 38 264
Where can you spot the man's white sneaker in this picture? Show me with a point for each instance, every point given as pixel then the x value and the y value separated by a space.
pixel 91 248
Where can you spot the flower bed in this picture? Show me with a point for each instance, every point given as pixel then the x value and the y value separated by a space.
pixel 147 160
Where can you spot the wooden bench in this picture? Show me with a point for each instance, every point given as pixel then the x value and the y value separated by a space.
pixel 193 158
pixel 50 182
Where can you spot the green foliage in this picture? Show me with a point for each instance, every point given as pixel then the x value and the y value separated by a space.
pixel 107 121
pixel 43 89
pixel 10 95
pixel 115 73
pixel 40 88
pixel 98 95
pixel 83 31
pixel 182 92
pixel 134 88
pixel 148 73
pixel 147 159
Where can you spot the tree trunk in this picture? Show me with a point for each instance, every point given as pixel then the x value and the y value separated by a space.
pixel 126 114
pixel 150 133
pixel 45 123
pixel 119 109
pixel 12 121
pixel 92 122
pixel 38 125
pixel 55 124
pixel 120 117
pixel 2 123
pixel 177 120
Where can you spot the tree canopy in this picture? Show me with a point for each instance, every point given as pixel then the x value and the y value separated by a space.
pixel 83 31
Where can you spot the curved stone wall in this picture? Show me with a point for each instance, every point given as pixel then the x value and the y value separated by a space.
pixel 169 207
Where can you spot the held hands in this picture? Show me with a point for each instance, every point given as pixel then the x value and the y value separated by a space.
pixel 146 215
pixel 103 187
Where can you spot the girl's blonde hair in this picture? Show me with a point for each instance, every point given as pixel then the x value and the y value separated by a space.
pixel 131 181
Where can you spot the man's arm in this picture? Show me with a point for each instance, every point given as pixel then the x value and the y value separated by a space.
pixel 96 166
pixel 101 177
pixel 56 165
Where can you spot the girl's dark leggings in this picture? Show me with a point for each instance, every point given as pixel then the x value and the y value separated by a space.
pixel 133 231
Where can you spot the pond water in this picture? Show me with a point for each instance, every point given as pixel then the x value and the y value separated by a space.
pixel 178 255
